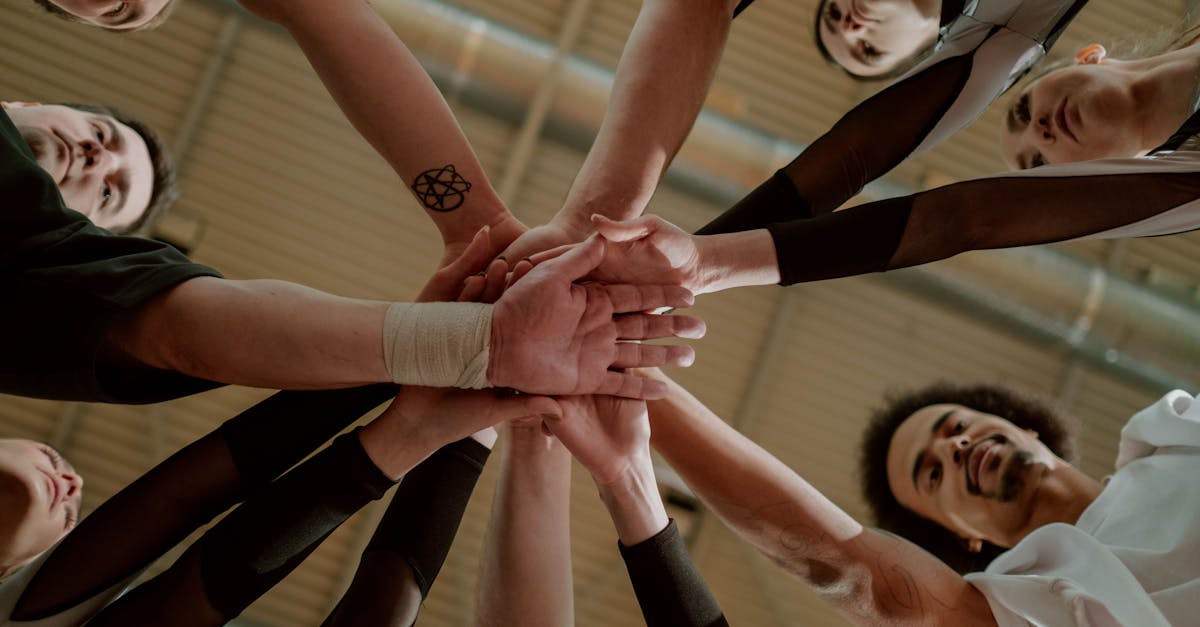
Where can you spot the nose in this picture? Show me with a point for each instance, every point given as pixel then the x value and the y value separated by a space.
pixel 1042 130
pixel 849 23
pixel 956 447
pixel 74 484
pixel 94 155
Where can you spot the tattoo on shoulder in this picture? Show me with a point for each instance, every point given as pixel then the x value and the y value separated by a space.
pixel 441 189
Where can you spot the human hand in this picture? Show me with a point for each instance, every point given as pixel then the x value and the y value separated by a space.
pixel 421 420
pixel 446 285
pixel 553 336
pixel 541 238
pixel 609 435
pixel 647 251
pixel 504 230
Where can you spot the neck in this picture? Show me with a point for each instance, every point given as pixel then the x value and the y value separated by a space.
pixel 1061 497
pixel 1164 89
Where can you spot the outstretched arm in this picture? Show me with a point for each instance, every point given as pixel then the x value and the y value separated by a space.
pixel 282 335
pixel 393 103
pixel 871 577
pixel 525 571
pixel 660 85
pixel 611 438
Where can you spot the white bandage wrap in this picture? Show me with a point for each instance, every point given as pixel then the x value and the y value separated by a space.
pixel 438 344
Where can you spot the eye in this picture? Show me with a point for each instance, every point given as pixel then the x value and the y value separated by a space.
pixel 959 426
pixel 105 195
pixel 118 10
pixel 99 134
pixel 1037 160
pixel 833 12
pixel 1021 109
pixel 935 476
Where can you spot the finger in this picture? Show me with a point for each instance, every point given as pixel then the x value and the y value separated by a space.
pixel 547 255
pixel 630 386
pixel 493 286
pixel 472 289
pixel 578 261
pixel 634 355
pixel 651 326
pixel 474 258
pixel 630 298
pixel 524 406
pixel 636 228
pixel 519 271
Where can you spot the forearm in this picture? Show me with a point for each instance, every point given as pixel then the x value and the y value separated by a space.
pixel 660 85
pixel 736 260
pixel 525 572
pixel 396 107
pixel 634 503
pixel 261 333
pixel 871 577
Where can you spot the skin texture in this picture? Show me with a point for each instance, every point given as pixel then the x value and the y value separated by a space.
pixel 40 496
pixel 871 577
pixel 1100 108
pixel 101 166
pixel 119 15
pixel 873 37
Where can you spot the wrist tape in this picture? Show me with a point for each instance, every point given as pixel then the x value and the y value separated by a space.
pixel 438 344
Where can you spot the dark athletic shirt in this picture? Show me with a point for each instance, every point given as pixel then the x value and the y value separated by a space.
pixel 64 283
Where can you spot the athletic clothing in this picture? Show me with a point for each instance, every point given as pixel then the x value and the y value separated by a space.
pixel 669 590
pixel 1133 557
pixel 413 537
pixel 980 53
pixel 66 281
pixel 97 560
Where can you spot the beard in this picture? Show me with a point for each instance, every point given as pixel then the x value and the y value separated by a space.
pixel 1013 481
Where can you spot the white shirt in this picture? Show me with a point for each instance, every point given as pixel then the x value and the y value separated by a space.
pixel 1133 558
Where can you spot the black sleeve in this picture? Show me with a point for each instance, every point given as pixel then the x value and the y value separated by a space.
pixel 669 590
pixel 258 544
pixel 1116 198
pixel 187 490
pixel 66 282
pixel 413 538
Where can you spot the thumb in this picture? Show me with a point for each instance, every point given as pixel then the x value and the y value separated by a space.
pixel 580 260
pixel 474 258
pixel 636 228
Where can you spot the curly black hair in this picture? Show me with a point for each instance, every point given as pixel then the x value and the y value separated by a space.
pixel 1023 411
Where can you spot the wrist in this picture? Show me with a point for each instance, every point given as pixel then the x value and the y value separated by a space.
pixel 730 260
pixel 633 502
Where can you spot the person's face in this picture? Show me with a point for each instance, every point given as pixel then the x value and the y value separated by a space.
pixel 113 14
pixel 1078 113
pixel 973 473
pixel 40 496
pixel 872 37
pixel 102 167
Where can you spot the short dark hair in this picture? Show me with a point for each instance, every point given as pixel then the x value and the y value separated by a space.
pixel 903 66
pixel 59 12
pixel 1023 411
pixel 166 188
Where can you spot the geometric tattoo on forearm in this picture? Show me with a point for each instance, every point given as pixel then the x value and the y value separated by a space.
pixel 441 189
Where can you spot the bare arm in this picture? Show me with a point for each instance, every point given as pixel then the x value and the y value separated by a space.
pixel 525 573
pixel 661 81
pixel 393 103
pixel 871 577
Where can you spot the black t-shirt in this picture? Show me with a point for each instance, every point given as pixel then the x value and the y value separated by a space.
pixel 64 282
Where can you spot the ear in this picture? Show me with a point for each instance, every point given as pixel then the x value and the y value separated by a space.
pixel 972 545
pixel 1091 55
pixel 18 105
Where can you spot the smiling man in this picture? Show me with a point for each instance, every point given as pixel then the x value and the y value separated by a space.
pixel 108 166
pixel 976 476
